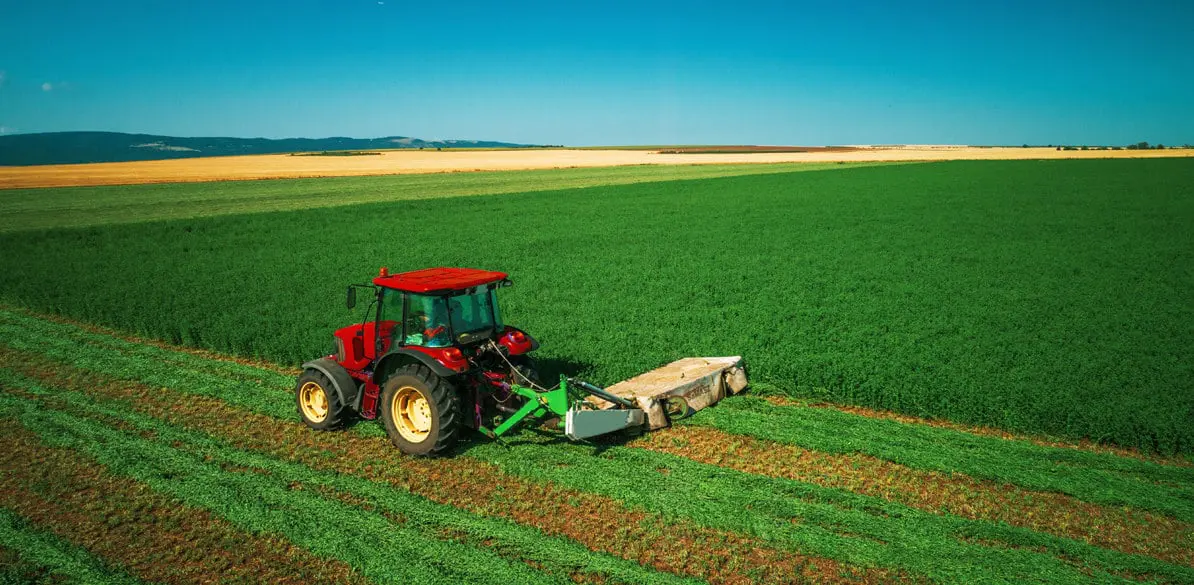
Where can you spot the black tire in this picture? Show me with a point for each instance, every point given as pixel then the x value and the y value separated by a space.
pixel 407 385
pixel 310 384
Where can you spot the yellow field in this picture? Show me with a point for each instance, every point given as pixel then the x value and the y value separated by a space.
pixel 276 166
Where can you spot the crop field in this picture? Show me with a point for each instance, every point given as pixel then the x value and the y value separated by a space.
pixel 25 209
pixel 410 161
pixel 961 372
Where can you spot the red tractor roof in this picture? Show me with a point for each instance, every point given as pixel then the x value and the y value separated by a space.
pixel 437 280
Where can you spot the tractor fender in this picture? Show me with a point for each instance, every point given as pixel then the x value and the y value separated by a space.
pixel 397 358
pixel 345 386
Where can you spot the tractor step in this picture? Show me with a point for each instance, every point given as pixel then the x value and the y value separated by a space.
pixel 679 388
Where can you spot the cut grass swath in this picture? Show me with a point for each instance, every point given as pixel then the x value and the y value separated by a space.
pixel 1092 477
pixel 1122 529
pixel 29 554
pixel 147 534
pixel 381 550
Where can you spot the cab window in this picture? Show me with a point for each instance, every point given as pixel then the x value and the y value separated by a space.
pixel 427 321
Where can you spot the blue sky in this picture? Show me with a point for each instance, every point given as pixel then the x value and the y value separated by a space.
pixel 641 72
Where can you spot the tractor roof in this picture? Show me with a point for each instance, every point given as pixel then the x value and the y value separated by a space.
pixel 437 280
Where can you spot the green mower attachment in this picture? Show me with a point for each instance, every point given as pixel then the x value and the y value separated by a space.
pixel 648 401
pixel 580 419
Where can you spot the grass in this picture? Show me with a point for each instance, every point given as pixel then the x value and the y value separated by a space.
pixel 860 530
pixel 1036 296
pixel 1135 531
pixel 1092 477
pixel 29 554
pixel 383 551
pixel 153 536
pixel 32 209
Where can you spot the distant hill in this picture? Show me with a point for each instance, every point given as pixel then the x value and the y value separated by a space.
pixel 87 147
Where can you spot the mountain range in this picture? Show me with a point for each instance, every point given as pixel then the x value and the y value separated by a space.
pixel 88 147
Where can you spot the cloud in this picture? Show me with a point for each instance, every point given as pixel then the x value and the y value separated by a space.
pixel 3 76
pixel 47 86
pixel 7 130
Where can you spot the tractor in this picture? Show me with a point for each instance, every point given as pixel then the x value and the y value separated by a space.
pixel 433 357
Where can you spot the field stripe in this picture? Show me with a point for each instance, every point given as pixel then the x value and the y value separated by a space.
pixel 146 533
pixel 1122 529
pixel 1090 477
pixel 960 561
pixel 379 549
pixel 31 554
pixel 1084 445
pixel 554 556
pixel 674 545
pixel 853 527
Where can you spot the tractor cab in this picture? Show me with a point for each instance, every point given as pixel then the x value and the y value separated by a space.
pixel 436 313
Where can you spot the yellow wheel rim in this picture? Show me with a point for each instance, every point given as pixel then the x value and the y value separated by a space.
pixel 411 414
pixel 314 402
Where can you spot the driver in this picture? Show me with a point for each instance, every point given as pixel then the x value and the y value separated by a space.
pixel 421 330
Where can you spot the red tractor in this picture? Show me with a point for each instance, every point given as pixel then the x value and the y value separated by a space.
pixel 433 356
pixel 433 349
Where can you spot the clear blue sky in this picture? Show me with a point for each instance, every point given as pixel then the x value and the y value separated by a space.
pixel 606 72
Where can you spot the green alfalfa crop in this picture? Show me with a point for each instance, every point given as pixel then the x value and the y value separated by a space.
pixel 1035 296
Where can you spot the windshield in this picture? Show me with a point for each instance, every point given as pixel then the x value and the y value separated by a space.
pixel 428 323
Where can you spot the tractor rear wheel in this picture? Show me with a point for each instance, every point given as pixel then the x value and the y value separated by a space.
pixel 317 401
pixel 420 410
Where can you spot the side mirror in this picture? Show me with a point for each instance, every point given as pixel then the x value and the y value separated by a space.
pixel 352 297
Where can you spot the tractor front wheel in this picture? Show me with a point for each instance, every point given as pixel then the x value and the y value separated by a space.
pixel 317 401
pixel 421 411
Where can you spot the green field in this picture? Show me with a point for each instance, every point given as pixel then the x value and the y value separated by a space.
pixel 24 209
pixel 1037 296
pixel 1049 297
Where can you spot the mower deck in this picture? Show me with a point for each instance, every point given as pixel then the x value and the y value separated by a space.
pixel 681 387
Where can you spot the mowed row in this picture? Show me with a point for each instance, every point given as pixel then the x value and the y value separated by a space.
pixel 200 459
